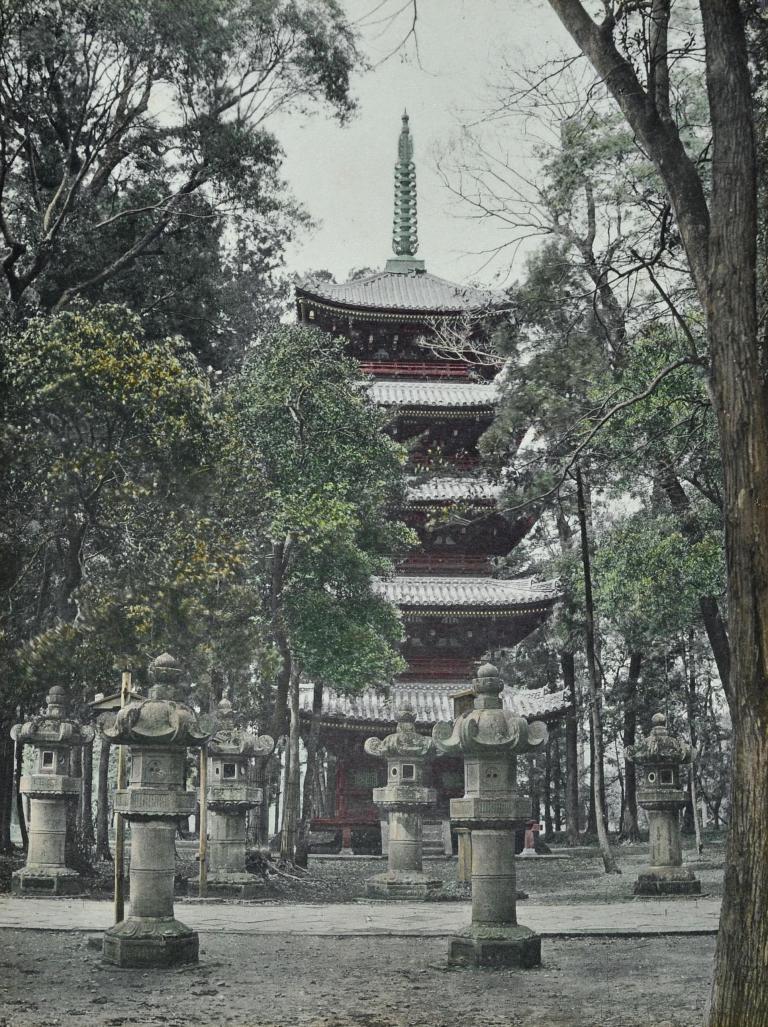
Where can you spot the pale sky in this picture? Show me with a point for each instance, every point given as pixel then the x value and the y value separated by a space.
pixel 344 175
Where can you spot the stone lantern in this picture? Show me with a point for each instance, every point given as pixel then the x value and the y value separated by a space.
pixel 405 798
pixel 158 730
pixel 659 757
pixel 50 787
pixel 230 796
pixel 487 736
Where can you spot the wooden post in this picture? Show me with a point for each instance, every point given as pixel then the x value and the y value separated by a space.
pixel 125 689
pixel 202 848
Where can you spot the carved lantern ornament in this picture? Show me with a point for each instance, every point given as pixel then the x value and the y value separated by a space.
pixel 488 737
pixel 659 758
pixel 158 729
pixel 230 796
pixel 50 787
pixel 404 798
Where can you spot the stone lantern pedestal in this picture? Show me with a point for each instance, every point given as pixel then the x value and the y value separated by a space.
pixel 50 789
pixel 158 730
pixel 405 798
pixel 230 796
pixel 487 736
pixel 659 758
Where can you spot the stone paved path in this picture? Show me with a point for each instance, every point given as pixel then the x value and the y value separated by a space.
pixel 641 917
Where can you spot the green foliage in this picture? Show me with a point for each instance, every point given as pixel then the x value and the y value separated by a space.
pixel 107 545
pixel 649 578
pixel 136 165
pixel 332 479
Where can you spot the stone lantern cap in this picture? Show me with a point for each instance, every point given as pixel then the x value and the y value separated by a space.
pixel 233 740
pixel 54 728
pixel 658 746
pixel 405 742
pixel 488 729
pixel 160 720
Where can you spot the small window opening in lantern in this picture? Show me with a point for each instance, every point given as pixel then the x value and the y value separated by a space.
pixel 47 759
pixel 667 777
pixel 311 315
pixel 229 770
pixel 651 777
pixel 394 771
pixel 408 772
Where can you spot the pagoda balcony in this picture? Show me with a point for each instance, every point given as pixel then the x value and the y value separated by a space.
pixel 448 563
pixel 439 668
pixel 421 369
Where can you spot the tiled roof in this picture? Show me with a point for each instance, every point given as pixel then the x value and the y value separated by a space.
pixel 396 291
pixel 438 590
pixel 430 703
pixel 433 394
pixel 437 489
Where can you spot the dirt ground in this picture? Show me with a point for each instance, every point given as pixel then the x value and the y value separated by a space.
pixel 53 979
pixel 578 877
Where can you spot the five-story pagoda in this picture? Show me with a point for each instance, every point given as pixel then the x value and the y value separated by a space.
pixel 395 323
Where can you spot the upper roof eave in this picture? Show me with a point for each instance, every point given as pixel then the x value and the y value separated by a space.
pixel 402 295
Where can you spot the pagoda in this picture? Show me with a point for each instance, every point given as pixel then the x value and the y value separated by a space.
pixel 395 323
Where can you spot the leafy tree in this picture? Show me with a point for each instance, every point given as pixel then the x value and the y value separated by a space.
pixel 105 456
pixel 634 51
pixel 333 479
pixel 136 164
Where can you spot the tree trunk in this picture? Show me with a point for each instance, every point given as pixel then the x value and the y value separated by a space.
pixel 592 808
pixel 86 798
pixel 6 784
pixel 609 861
pixel 572 825
pixel 693 734
pixel 310 778
pixel 20 817
pixel 102 802
pixel 281 552
pixel 293 777
pixel 557 783
pixel 533 786
pixel 721 247
pixel 547 787
pixel 630 831
pixel 693 531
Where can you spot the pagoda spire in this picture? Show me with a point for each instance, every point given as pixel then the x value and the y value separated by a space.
pixel 405 240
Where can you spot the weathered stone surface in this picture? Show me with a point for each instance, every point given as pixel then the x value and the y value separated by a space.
pixel 514 946
pixel 230 796
pixel 158 730
pixel 49 787
pixel 404 798
pixel 158 942
pixel 403 884
pixel 489 737
pixel 659 758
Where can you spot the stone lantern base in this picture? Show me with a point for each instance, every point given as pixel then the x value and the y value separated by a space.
pixel 496 945
pixel 43 881
pixel 667 881
pixel 150 942
pixel 402 884
pixel 229 886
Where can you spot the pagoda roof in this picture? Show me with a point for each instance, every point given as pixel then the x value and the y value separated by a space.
pixel 431 703
pixel 434 394
pixel 444 591
pixel 417 291
pixel 438 489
